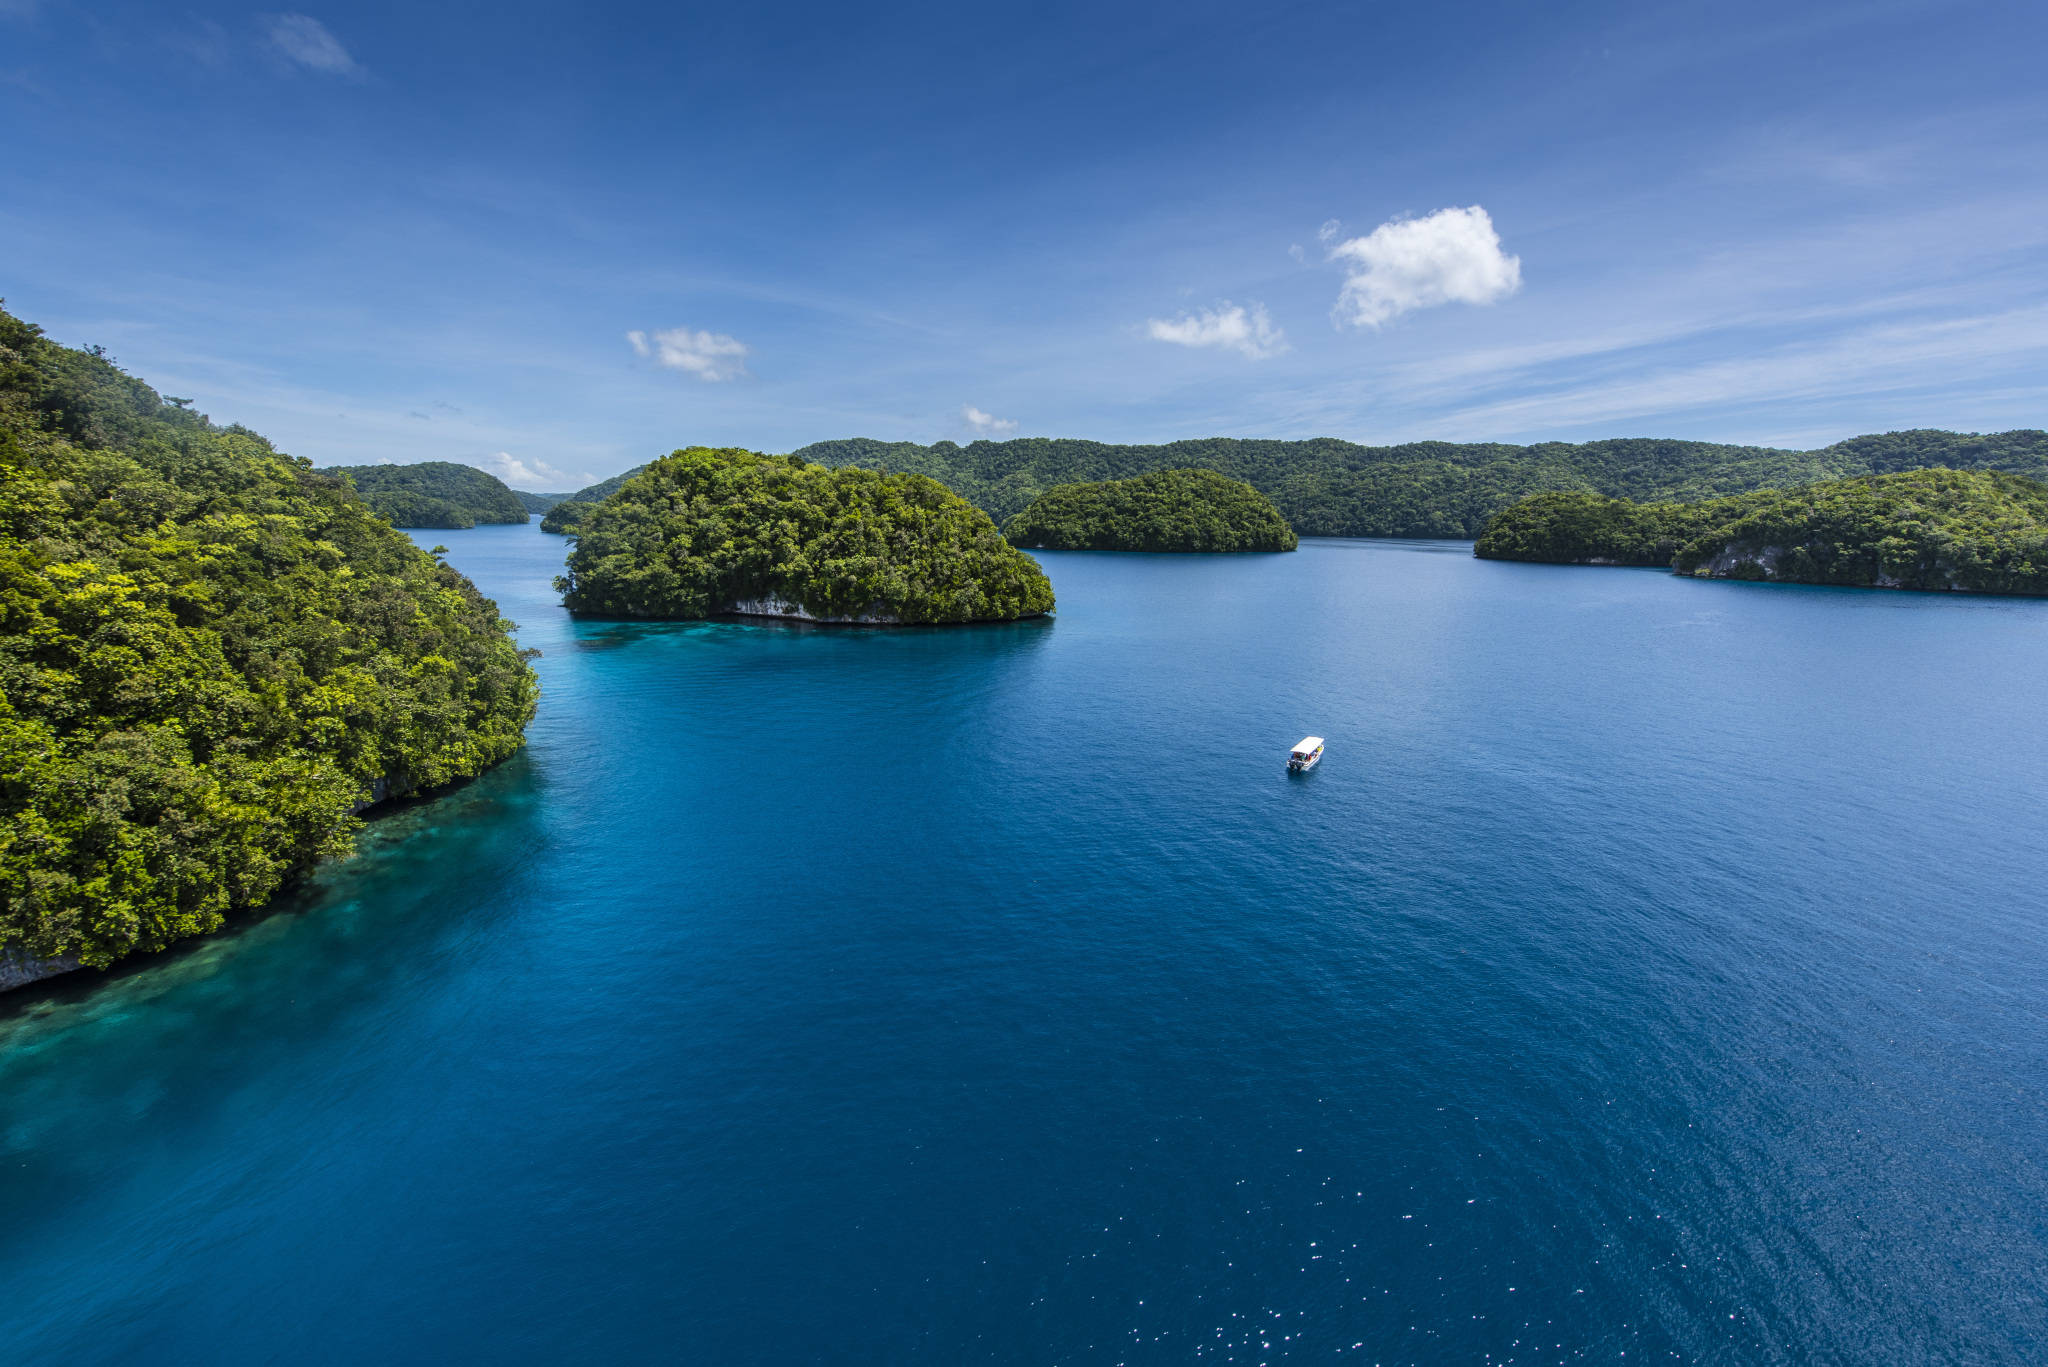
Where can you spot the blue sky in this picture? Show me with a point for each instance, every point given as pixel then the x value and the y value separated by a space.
pixel 557 240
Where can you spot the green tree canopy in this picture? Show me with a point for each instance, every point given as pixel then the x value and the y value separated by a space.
pixel 701 531
pixel 1170 510
pixel 210 657
pixel 1978 531
pixel 1326 487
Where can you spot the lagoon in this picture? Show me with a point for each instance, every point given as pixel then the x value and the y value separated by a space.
pixel 1652 967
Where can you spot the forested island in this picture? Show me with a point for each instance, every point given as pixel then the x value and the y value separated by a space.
pixel 1954 530
pixel 433 494
pixel 1326 487
pixel 1170 510
pixel 211 657
pixel 563 517
pixel 705 532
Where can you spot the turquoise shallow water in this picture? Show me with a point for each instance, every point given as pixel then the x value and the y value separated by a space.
pixel 1653 968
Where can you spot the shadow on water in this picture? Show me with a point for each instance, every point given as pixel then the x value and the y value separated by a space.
pixel 491 797
pixel 194 1041
pixel 608 634
pixel 1419 546
pixel 311 953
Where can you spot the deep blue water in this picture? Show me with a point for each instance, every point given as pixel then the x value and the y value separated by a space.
pixel 1652 968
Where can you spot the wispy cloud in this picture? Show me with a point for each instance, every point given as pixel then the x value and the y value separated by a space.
pixel 1453 256
pixel 710 356
pixel 1878 361
pixel 306 41
pixel 536 476
pixel 986 424
pixel 1248 332
pixel 205 41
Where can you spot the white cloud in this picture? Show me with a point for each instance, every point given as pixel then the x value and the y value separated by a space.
pixel 534 476
pixel 986 424
pixel 710 356
pixel 305 40
pixel 1451 257
pixel 1249 332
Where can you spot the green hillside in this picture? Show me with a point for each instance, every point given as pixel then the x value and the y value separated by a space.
pixel 570 510
pixel 1326 487
pixel 433 493
pixel 210 657
pixel 537 503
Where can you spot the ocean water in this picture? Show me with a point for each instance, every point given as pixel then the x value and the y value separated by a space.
pixel 1653 972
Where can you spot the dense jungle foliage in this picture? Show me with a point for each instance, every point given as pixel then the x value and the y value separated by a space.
pixel 1170 510
pixel 570 510
pixel 1973 531
pixel 1572 527
pixel 433 493
pixel 1326 487
pixel 210 656
pixel 701 530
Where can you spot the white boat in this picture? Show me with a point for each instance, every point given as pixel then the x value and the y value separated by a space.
pixel 1306 755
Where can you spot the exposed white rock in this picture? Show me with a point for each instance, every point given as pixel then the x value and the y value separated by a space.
pixel 1768 558
pixel 777 607
pixel 1728 557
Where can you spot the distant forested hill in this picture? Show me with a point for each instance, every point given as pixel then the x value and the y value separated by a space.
pixel 1970 531
pixel 433 493
pixel 568 511
pixel 537 503
pixel 1326 487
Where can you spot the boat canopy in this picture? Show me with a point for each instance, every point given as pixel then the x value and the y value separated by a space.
pixel 1309 745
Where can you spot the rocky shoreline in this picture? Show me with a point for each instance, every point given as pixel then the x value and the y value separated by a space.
pixel 776 607
pixel 17 970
